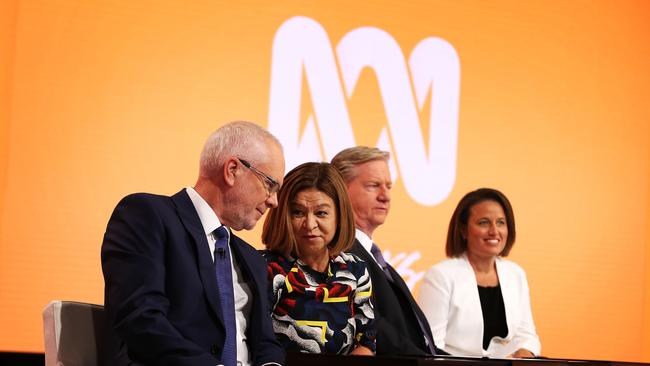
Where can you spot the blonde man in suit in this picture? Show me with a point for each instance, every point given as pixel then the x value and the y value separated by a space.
pixel 402 328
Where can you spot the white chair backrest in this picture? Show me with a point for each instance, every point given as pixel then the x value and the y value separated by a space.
pixel 74 333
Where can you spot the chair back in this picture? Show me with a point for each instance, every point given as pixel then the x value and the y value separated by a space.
pixel 74 333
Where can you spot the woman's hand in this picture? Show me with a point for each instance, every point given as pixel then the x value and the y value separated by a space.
pixel 362 351
pixel 522 353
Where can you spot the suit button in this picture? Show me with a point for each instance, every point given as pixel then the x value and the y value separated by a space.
pixel 214 350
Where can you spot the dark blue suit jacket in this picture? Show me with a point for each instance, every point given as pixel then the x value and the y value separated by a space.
pixel 396 312
pixel 161 298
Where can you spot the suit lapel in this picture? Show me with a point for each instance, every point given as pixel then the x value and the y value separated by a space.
pixel 242 263
pixel 396 280
pixel 358 250
pixel 190 219
pixel 374 269
pixel 406 292
pixel 397 283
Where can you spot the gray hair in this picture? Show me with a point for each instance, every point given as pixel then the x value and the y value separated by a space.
pixel 239 138
pixel 346 160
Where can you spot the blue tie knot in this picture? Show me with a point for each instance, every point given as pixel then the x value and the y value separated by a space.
pixel 221 232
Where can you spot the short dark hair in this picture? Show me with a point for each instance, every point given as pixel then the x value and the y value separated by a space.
pixel 456 243
pixel 277 234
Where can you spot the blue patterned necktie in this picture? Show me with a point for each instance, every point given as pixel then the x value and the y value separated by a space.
pixel 226 296
pixel 376 252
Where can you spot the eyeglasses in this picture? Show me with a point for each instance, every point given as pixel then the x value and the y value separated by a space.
pixel 272 185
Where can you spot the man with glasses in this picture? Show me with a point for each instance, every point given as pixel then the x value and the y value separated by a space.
pixel 180 287
pixel 272 186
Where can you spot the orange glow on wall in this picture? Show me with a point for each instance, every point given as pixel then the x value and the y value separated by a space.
pixel 99 99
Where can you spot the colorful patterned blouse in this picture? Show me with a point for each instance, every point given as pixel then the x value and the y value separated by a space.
pixel 318 312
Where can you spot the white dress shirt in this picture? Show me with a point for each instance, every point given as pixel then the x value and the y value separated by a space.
pixel 242 291
pixel 366 242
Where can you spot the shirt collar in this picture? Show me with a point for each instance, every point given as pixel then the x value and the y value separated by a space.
pixel 209 219
pixel 364 239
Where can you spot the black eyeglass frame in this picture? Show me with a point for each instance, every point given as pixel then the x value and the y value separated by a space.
pixel 271 185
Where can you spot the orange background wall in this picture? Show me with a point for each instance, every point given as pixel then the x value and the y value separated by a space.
pixel 99 99
pixel 646 315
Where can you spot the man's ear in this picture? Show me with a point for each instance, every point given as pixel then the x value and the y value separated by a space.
pixel 230 168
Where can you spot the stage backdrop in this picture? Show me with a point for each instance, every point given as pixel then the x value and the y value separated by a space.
pixel 547 101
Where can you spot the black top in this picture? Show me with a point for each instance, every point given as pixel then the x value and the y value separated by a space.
pixel 494 314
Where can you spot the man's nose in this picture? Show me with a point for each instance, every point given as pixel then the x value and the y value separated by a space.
pixel 272 200
pixel 384 194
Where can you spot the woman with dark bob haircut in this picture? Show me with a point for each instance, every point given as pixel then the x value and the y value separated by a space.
pixel 477 302
pixel 321 296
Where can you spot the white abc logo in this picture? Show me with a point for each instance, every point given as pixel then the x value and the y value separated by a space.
pixel 302 44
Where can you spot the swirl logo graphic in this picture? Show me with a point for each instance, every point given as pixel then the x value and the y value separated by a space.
pixel 430 75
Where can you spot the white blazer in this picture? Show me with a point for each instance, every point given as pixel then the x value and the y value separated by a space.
pixel 449 299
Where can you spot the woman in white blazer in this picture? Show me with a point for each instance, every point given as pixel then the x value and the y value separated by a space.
pixel 476 302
